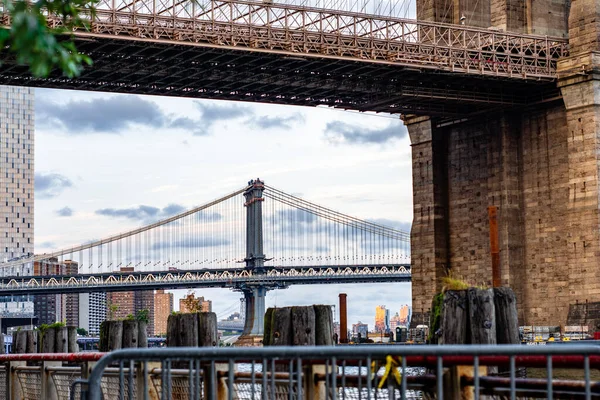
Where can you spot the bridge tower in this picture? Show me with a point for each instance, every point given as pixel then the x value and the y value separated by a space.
pixel 538 166
pixel 254 294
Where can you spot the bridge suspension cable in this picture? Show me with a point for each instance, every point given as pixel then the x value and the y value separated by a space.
pixel 296 233
pixel 316 235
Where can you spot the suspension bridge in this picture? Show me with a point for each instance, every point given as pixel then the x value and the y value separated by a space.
pixel 253 240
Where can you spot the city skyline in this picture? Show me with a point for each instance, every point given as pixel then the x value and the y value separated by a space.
pixel 107 163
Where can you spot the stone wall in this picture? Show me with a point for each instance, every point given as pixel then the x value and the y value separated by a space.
pixel 520 164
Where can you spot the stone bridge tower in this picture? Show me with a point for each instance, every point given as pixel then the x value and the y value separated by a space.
pixel 538 166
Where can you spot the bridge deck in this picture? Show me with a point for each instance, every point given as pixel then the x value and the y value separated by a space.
pixel 237 278
pixel 243 50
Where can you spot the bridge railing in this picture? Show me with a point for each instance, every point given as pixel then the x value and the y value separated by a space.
pixel 348 372
pixel 304 31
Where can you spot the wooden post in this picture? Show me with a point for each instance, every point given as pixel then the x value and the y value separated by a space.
pixel 324 325
pixel 268 329
pixel 61 340
pixel 208 335
pixel 494 247
pixel 482 316
pixel 455 317
pixel 20 342
pixel 47 341
pixel 2 345
pixel 115 335
pixel 172 327
pixel 32 341
pixel 507 323
pixel 282 327
pixel 303 326
pixel 142 334
pixel 130 334
pixel 187 332
pixel 73 346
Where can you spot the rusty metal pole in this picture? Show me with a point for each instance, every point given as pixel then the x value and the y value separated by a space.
pixel 343 319
pixel 494 246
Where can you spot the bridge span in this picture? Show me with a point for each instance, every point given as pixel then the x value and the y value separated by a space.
pixel 288 54
pixel 279 240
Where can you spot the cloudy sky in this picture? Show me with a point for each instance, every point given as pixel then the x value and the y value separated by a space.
pixel 108 163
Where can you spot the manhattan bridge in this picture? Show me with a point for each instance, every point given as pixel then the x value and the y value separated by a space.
pixel 253 240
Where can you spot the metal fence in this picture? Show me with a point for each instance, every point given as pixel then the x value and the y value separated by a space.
pixel 345 372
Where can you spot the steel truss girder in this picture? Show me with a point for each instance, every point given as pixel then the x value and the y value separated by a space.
pixel 226 278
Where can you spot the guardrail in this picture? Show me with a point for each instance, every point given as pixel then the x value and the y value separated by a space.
pixel 316 373
pixel 344 372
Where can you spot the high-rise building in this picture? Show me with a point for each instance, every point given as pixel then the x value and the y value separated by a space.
pixel 163 307
pixel 16 171
pixel 16 195
pixel 48 307
pixel 192 303
pixel 120 305
pixel 405 312
pixel 382 319
pixel 71 300
pixel 395 322
pixel 360 328
pixel 92 311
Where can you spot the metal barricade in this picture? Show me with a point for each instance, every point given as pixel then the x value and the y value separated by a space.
pixel 343 372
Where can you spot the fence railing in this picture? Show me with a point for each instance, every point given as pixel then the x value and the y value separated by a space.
pixel 317 373
pixel 347 372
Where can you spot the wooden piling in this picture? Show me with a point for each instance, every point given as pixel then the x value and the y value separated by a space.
pixel 323 325
pixel 142 334
pixel 187 332
pixel 282 327
pixel 2 345
pixel 32 341
pixel 172 327
pixel 130 334
pixel 73 346
pixel 507 322
pixel 47 341
pixel 208 335
pixel 61 341
pixel 303 326
pixel 268 327
pixel 20 342
pixel 482 316
pixel 114 335
pixel 455 317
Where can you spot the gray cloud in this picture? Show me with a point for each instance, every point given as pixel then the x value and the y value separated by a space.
pixel 111 115
pixel 101 115
pixel 208 216
pixel 46 245
pixel 215 113
pixel 390 223
pixel 268 122
pixel 338 131
pixel 142 212
pixel 65 212
pixel 48 185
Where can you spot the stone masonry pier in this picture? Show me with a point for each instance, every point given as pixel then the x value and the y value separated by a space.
pixel 538 165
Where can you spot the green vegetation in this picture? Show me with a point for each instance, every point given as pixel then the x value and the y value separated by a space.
pixel 143 316
pixel 41 47
pixel 436 315
pixel 82 332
